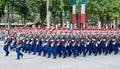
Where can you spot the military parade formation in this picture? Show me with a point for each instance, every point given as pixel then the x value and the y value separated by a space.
pixel 62 42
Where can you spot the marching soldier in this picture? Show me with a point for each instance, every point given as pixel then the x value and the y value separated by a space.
pixel 105 46
pixel 63 44
pixel 6 46
pixel 69 47
pixel 24 46
pixel 49 47
pixel 34 48
pixel 54 51
pixel 88 47
pixel 39 45
pixel 114 46
pixel 44 46
pixel 13 43
pixel 18 48
pixel 83 47
pixel 59 47
pixel 99 47
pixel 74 48
pixel 94 46
pixel 29 42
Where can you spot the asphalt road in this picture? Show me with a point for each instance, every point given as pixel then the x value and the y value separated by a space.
pixel 30 61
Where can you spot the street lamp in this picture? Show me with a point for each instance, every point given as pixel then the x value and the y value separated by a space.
pixel 5 11
pixel 63 13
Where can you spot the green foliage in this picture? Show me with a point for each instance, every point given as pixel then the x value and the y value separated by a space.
pixel 60 5
pixel 37 7
pixel 105 10
pixel 35 10
pixel 1 8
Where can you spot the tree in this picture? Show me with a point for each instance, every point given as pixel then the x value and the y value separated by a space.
pixel 105 11
pixel 2 8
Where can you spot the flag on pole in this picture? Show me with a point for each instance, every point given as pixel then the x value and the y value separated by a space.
pixel 73 11
pixel 82 18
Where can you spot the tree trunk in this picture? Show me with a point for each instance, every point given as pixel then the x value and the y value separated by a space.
pixel 11 14
pixel 41 19
pixel 34 15
pixel 9 24
pixel 61 20
pixel 116 24
pixel 24 21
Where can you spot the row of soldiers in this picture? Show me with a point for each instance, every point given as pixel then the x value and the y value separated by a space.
pixel 63 43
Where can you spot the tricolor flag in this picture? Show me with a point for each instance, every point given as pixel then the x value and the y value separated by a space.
pixel 82 18
pixel 73 11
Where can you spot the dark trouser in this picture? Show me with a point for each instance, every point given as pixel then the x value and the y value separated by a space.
pixel 49 51
pixel 115 48
pixel 95 50
pixel 44 50
pixel 54 52
pixel 88 49
pixel 39 49
pixel 105 50
pixel 64 52
pixel 99 49
pixel 79 51
pixel 74 50
pixel 83 50
pixel 18 53
pixel 69 50
pixel 34 49
pixel 29 48
pixel 6 50
pixel 23 47
pixel 59 50
pixel 110 49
